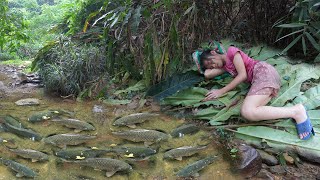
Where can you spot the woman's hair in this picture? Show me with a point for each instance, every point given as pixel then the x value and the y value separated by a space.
pixel 204 56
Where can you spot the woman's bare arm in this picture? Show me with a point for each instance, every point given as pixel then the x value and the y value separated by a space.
pixel 242 73
pixel 211 73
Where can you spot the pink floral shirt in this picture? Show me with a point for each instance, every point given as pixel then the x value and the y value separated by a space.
pixel 248 62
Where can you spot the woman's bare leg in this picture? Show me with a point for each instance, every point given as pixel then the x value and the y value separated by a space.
pixel 254 109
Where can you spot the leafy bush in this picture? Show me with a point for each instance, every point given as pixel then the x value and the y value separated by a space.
pixel 5 56
pixel 70 68
pixel 304 23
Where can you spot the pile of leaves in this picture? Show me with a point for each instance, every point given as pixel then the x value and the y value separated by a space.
pixel 225 111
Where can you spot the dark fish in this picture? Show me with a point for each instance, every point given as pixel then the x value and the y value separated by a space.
pixel 22 170
pixel 192 169
pixel 82 153
pixel 62 140
pixel 75 124
pixel 31 154
pixel 180 131
pixel 111 166
pixel 142 135
pixel 13 121
pixel 133 119
pixel 27 133
pixel 42 116
pixel 135 151
pixel 180 152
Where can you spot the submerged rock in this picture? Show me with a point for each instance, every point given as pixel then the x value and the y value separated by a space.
pixel 268 158
pixel 28 102
pixel 278 169
pixel 248 162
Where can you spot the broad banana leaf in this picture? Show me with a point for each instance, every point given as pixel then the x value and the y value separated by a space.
pixel 137 87
pixel 291 88
pixel 206 114
pixel 281 140
pixel 310 99
pixel 174 84
pixel 227 112
pixel 192 97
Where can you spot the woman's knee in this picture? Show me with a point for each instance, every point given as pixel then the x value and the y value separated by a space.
pixel 247 113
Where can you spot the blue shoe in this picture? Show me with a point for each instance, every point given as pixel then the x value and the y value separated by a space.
pixel 305 127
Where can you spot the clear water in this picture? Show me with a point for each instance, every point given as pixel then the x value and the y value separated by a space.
pixel 155 168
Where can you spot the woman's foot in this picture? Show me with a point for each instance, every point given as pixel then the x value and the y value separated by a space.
pixel 300 117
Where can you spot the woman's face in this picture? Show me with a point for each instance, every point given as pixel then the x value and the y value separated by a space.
pixel 214 61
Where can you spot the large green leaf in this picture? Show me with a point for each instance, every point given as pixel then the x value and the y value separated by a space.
pixel 174 84
pixel 227 112
pixel 137 87
pixel 310 99
pixel 291 88
pixel 281 140
pixel 193 97
pixel 207 113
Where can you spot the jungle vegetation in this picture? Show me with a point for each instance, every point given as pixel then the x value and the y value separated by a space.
pixel 115 49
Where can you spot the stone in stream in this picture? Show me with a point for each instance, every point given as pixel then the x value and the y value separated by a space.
pixel 142 135
pixel 62 140
pixel 192 169
pixel 22 170
pixel 268 158
pixel 248 161
pixel 31 154
pixel 133 119
pixel 111 166
pixel 28 102
pixel 180 131
pixel 278 170
pixel 184 151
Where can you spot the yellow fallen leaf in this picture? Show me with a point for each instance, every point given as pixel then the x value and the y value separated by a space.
pixel 57 112
pixel 45 117
pixel 113 145
pixel 129 155
pixel 94 148
pixel 80 158
pixel 5 141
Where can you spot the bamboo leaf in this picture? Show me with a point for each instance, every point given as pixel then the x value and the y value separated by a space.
pixel 304 47
pixel 292 25
pixel 313 41
pixel 189 9
pixel 290 34
pixel 292 44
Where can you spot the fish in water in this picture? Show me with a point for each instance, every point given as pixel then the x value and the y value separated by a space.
pixel 111 166
pixel 22 170
pixel 142 135
pixel 42 116
pixel 192 169
pixel 180 131
pixel 27 133
pixel 79 153
pixel 133 119
pixel 13 121
pixel 180 152
pixel 75 124
pixel 31 154
pixel 62 140
pixel 137 152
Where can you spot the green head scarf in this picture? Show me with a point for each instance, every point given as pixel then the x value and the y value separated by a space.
pixel 215 46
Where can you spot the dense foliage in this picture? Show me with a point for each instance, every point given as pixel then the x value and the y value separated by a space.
pixel 151 40
pixel 12 33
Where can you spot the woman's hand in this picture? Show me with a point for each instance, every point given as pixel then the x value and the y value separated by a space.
pixel 213 94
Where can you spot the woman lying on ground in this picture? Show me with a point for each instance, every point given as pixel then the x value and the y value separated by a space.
pixel 265 84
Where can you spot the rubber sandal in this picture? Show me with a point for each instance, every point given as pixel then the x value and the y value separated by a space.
pixel 304 127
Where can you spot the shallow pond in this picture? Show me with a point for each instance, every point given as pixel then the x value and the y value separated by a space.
pixel 154 168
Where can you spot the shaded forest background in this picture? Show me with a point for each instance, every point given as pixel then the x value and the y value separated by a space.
pixel 85 48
